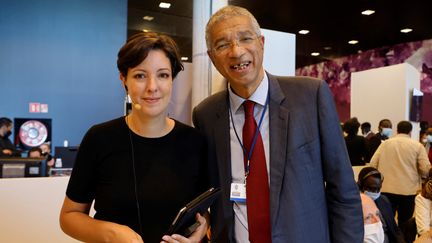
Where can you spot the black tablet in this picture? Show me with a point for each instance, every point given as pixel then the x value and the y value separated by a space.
pixel 185 223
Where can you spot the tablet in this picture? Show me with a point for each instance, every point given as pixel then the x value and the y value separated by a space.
pixel 185 223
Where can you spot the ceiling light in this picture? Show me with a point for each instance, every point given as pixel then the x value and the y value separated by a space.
pixel 327 48
pixel 315 54
pixel 406 30
pixel 184 58
pixel 148 18
pixel 353 42
pixel 303 32
pixel 146 30
pixel 368 12
pixel 164 5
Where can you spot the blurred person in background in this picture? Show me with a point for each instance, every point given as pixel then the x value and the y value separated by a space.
pixel 356 145
pixel 6 146
pixel 370 182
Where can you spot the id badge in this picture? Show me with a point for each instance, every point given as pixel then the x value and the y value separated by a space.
pixel 238 192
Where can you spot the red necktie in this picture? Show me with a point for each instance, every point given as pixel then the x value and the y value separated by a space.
pixel 257 187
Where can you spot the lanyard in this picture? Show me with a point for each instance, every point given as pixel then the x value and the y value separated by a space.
pixel 255 136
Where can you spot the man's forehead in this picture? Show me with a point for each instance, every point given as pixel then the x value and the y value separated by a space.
pixel 232 25
pixel 228 35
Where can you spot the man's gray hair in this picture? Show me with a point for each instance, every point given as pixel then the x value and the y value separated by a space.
pixel 229 12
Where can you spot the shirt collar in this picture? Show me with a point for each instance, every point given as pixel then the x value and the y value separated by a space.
pixel 403 135
pixel 259 96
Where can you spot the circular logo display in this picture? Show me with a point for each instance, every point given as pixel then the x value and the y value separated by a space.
pixel 33 133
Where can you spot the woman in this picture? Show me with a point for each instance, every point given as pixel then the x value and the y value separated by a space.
pixel 142 168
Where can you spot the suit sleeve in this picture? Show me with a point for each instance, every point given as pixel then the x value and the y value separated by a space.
pixel 343 198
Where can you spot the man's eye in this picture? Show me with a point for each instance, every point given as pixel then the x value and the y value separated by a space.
pixel 222 46
pixel 246 38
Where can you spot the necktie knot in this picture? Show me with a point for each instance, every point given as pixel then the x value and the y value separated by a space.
pixel 249 108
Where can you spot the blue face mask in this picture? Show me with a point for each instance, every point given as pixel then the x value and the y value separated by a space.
pixel 429 138
pixel 373 195
pixel 386 132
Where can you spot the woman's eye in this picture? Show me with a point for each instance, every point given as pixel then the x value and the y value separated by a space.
pixel 164 75
pixel 139 76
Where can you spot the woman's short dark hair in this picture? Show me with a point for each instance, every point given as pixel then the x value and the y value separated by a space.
pixel 139 45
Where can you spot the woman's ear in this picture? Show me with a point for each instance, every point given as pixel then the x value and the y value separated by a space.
pixel 123 79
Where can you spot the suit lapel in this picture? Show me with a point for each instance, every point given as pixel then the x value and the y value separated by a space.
pixel 278 125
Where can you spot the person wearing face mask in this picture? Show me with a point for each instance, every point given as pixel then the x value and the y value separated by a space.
pixel 426 140
pixel 373 228
pixel 384 132
pixel 46 152
pixel 403 162
pixel 6 146
pixel 369 182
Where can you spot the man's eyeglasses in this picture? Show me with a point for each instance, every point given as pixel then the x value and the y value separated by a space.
pixel 243 41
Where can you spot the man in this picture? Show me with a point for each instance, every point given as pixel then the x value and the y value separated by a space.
pixel 356 145
pixel 35 152
pixel 373 230
pixel 368 134
pixel 370 182
pixel 281 163
pixel 6 146
pixel 403 162
pixel 366 130
pixel 384 132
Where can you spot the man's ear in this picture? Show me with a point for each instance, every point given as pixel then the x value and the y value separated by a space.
pixel 262 40
pixel 210 54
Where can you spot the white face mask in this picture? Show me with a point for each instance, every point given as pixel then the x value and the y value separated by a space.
pixel 373 233
pixel 429 138
pixel 373 195
pixel 386 132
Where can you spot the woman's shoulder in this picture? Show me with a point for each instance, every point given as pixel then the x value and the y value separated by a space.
pixel 187 130
pixel 110 127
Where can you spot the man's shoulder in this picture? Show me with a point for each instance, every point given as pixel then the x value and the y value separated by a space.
pixel 296 80
pixel 294 86
pixel 213 101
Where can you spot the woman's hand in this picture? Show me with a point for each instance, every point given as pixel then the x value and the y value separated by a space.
pixel 75 221
pixel 196 236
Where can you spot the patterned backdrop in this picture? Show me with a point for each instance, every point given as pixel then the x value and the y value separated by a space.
pixel 337 72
